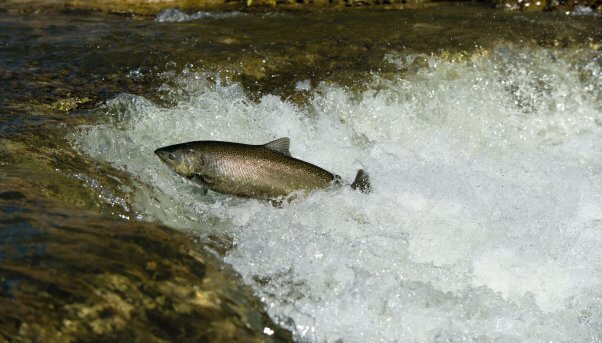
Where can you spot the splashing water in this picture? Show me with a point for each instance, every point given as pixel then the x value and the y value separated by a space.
pixel 485 221
pixel 171 15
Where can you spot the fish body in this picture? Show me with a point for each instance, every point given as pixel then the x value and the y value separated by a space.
pixel 259 171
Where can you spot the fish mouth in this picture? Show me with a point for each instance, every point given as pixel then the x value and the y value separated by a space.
pixel 161 154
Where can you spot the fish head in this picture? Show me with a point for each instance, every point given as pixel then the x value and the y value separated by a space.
pixel 181 159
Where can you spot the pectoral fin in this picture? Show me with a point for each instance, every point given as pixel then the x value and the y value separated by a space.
pixel 361 182
pixel 280 145
pixel 202 179
pixel 207 179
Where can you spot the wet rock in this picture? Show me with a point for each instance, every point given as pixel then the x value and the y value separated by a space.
pixel 69 276
pixel 55 171
pixel 136 7
pixel 575 7
pixel 67 104
pixel 524 5
pixel 148 8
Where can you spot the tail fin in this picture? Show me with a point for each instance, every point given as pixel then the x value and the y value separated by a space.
pixel 361 182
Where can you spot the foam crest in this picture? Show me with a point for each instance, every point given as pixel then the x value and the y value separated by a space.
pixel 484 223
pixel 174 15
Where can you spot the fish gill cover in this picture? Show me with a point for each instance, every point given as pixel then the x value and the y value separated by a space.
pixel 485 220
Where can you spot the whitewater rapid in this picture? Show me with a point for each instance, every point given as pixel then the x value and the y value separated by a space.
pixel 485 220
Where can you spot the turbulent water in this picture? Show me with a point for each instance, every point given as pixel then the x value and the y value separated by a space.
pixel 174 15
pixel 485 219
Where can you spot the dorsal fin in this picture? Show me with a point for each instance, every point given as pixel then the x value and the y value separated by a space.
pixel 280 145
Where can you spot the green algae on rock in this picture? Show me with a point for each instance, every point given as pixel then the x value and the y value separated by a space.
pixel 69 276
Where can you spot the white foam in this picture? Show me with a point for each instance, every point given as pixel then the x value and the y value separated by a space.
pixel 485 218
pixel 584 10
pixel 304 85
pixel 174 15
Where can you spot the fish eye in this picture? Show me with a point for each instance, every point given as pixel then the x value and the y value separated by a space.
pixel 171 157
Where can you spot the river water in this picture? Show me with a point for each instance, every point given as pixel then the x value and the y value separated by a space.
pixel 481 131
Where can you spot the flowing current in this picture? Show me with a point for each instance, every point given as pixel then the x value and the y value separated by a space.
pixel 485 219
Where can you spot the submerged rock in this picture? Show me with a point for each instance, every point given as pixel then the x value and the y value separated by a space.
pixel 75 276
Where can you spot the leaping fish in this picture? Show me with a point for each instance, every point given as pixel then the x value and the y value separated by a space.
pixel 265 171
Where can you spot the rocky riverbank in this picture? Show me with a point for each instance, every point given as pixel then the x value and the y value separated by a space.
pixel 72 276
pixel 152 7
